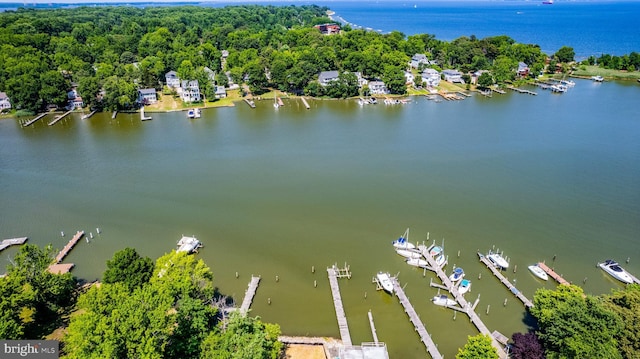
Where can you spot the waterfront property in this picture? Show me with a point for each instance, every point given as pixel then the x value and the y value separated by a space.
pixel 190 91
pixel 172 80
pixel 5 103
pixel 147 96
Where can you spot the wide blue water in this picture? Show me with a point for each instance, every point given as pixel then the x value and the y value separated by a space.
pixel 591 28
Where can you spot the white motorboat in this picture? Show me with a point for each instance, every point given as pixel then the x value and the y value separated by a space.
pixel 196 113
pixel 409 253
pixel 597 78
pixel 403 241
pixel 434 251
pixel 417 262
pixel 614 269
pixel 538 272
pixel 465 286
pixel 191 113
pixel 498 260
pixel 188 244
pixel 457 274
pixel 443 300
pixel 384 279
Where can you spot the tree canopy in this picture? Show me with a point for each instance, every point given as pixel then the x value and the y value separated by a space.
pixel 478 347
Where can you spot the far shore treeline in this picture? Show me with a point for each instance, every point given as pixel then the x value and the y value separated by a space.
pixel 108 53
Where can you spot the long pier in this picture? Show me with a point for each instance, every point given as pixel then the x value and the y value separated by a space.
pixel 415 320
pixel 249 294
pixel 304 101
pixel 250 103
pixel 85 117
pixel 72 242
pixel 11 242
pixel 34 120
pixel 522 90
pixel 557 277
pixel 465 306
pixel 512 288
pixel 337 303
pixel 58 118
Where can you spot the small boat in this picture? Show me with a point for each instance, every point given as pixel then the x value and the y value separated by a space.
pixel 443 300
pixel 457 274
pixel 614 269
pixel 435 251
pixel 188 244
pixel 384 279
pixel 538 272
pixel 465 286
pixel 191 113
pixel 417 262
pixel 548 2
pixel 597 78
pixel 440 260
pixel 373 101
pixel 403 241
pixel 498 261
pixel 409 253
pixel 196 113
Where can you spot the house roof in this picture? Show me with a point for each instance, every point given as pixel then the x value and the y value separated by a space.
pixel 430 71
pixel 419 57
pixel 451 72
pixel 187 83
pixel 327 75
pixel 147 91
pixel 376 83
pixel 171 75
pixel 220 90
pixel 3 96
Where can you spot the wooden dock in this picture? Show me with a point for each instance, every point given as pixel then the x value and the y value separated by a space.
pixel 114 114
pixel 12 242
pixel 63 253
pixel 85 117
pixel 512 288
pixel 34 120
pixel 58 118
pixel 522 90
pixel 374 332
pixel 495 89
pixel 249 294
pixel 304 101
pixel 250 103
pixel 143 117
pixel 557 277
pixel 415 320
pixel 60 268
pixel 333 273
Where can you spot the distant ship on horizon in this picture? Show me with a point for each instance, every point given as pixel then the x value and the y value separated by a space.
pixel 548 2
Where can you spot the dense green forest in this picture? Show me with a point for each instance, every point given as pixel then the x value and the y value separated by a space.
pixel 110 52
pixel 170 308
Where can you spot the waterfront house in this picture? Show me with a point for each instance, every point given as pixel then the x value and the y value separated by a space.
pixel 326 77
pixel 378 88
pixel 172 79
pixel 190 91
pixel 523 69
pixel 147 96
pixel 220 92
pixel 418 59
pixel 77 102
pixel 211 75
pixel 361 80
pixel 5 103
pixel 453 76
pixel 409 77
pixel 431 77
pixel 328 29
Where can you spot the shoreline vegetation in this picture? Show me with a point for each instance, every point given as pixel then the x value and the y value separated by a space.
pixel 103 60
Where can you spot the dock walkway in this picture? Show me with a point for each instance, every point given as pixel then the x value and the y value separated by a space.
pixel 34 120
pixel 415 320
pixel 250 103
pixel 512 288
pixel 337 303
pixel 11 242
pixel 465 306
pixel 521 90
pixel 58 118
pixel 304 101
pixel 557 277
pixel 85 117
pixel 249 294
pixel 63 253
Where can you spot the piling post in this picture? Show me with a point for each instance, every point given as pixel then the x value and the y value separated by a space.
pixel 515 268
pixel 313 269
pixel 488 307
pixel 277 279
pixel 315 284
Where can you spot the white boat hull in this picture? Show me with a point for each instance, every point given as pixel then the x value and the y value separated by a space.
pixel 465 286
pixel 457 275
pixel 407 253
pixel 384 279
pixel 498 261
pixel 443 300
pixel 538 272
pixel 616 272
pixel 417 262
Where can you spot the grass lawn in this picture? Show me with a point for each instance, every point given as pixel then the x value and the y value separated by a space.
pixel 168 103
pixel 588 71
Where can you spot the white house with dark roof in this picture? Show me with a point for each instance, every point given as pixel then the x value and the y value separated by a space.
pixel 409 77
pixel 326 77
pixel 5 103
pixel 147 96
pixel 220 92
pixel 452 76
pixel 190 91
pixel 418 59
pixel 172 79
pixel 378 88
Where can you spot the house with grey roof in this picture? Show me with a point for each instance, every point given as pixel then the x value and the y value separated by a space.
pixel 147 96
pixel 221 92
pixel 172 79
pixel 326 77
pixel 418 59
pixel 5 103
pixel 453 76
pixel 431 77
pixel 190 91
pixel 378 88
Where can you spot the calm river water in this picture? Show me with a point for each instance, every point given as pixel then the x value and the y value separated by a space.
pixel 275 193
